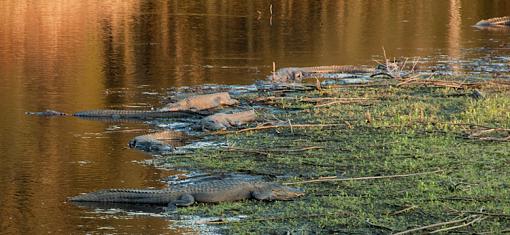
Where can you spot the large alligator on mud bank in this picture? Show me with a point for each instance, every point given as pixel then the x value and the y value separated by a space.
pixel 215 190
pixel 297 74
pixel 493 22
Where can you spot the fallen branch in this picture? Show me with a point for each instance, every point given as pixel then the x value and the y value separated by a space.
pixel 337 102
pixel 223 221
pixel 280 126
pixel 362 178
pixel 432 226
pixel 487 213
pixel 343 100
pixel 404 210
pixel 479 218
pixel 269 151
pixel 378 226
pixel 482 135
pixel 438 83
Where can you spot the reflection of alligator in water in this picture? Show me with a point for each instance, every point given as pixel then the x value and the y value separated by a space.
pixel 47 113
pixel 497 21
pixel 296 74
pixel 164 141
pixel 214 190
pixel 121 207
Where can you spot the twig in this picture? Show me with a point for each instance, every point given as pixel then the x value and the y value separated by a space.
pixel 248 151
pixel 492 232
pixel 459 226
pixel 404 210
pixel 291 129
pixel 480 135
pixel 314 99
pixel 271 12
pixel 438 83
pixel 274 70
pixel 282 126
pixel 415 62
pixel 432 226
pixel 269 151
pixel 277 218
pixel 486 213
pixel 330 103
pixel 378 225
pixel 363 178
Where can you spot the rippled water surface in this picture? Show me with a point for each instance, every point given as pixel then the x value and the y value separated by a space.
pixel 76 54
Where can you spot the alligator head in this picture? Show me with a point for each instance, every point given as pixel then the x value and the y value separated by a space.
pixel 281 192
pixel 497 21
pixel 286 75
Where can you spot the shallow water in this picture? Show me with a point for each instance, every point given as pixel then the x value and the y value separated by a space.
pixel 77 55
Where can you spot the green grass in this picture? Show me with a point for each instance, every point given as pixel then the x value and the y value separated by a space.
pixel 410 130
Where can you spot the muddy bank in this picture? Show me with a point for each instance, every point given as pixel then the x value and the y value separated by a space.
pixel 385 156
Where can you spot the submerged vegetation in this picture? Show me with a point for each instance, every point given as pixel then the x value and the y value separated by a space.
pixel 376 158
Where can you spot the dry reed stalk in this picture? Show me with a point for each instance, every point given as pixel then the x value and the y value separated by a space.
pixel 362 178
pixel 433 226
pixel 222 221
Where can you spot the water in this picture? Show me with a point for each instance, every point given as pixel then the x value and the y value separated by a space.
pixel 75 55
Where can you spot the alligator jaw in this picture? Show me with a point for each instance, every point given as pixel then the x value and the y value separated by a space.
pixel 285 193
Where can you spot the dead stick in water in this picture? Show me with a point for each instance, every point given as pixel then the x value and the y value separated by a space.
pixel 362 178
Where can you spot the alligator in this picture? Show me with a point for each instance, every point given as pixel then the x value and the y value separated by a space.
pixel 497 21
pixel 120 114
pixel 134 114
pixel 222 121
pixel 297 74
pixel 189 107
pixel 211 191
pixel 201 102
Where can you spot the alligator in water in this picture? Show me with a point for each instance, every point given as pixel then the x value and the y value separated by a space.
pixel 492 22
pixel 215 190
pixel 189 107
pixel 120 114
pixel 133 114
pixel 297 74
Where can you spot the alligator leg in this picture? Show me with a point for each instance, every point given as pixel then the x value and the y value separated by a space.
pixel 184 200
pixel 263 194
